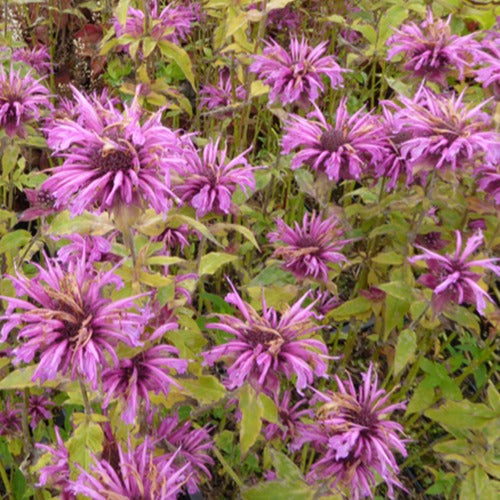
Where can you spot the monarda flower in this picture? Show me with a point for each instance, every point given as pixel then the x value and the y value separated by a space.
pixel 269 344
pixel 431 51
pixel 172 24
pixel 10 419
pixel 68 322
pixel 56 474
pixel 21 100
pixel 136 475
pixel 39 409
pixel 309 248
pixel 42 203
pixel 37 57
pixel 210 180
pixel 221 95
pixel 489 72
pixel 488 177
pixel 87 247
pixel 350 149
pixel 192 447
pixel 149 370
pixel 296 76
pixel 354 438
pixel 111 160
pixel 451 276
pixel 443 133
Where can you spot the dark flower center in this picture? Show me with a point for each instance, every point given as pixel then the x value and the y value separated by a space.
pixel 115 161
pixel 45 199
pixel 269 337
pixel 365 418
pixel 331 140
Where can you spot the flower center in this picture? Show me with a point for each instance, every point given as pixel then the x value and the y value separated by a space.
pixel 115 160
pixel 45 199
pixel 269 337
pixel 331 140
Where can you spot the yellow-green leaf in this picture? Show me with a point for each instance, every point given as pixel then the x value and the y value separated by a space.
pixel 180 56
pixel 212 261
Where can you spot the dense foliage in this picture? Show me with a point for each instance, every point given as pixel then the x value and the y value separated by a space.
pixel 247 249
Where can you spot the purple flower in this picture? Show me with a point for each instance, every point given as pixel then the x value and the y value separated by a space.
pixel 137 475
pixel 431 241
pixel 354 438
pixel 57 473
pixel 431 51
pixel 10 419
pixel 268 344
pixel 174 237
pixel 42 204
pixel 295 77
pixel 209 182
pixel 110 159
pixel 289 417
pixel 451 276
pixel 86 247
pixel 68 322
pixel 489 180
pixel 148 370
pixel 172 24
pixel 37 57
pixel 39 409
pixel 326 302
pixel 345 150
pixel 21 98
pixel 489 57
pixel 221 95
pixel 309 248
pixel 443 133
pixel 192 447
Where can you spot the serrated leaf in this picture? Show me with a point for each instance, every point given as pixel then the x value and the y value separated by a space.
pixel 19 379
pixel 462 415
pixel 269 410
pixel 205 388
pixel 14 240
pixel 9 159
pixel 388 258
pixel 88 438
pixel 212 261
pixel 351 308
pixel 405 350
pixel 284 467
pixel 423 397
pixel 251 415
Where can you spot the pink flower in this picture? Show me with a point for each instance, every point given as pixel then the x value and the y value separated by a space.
pixel 353 438
pixel 489 58
pixel 295 76
pixel 42 204
pixel 37 57
pixel 67 322
pixel 350 149
pixel 110 158
pixel 451 276
pixel 192 447
pixel 309 248
pixel 267 345
pixel 208 182
pixel 221 95
pixel 21 99
pixel 137 475
pixel 431 51
pixel 148 370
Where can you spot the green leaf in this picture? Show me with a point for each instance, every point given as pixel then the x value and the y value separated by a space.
pixel 464 318
pixel 284 467
pixel 175 220
pixel 493 397
pixel 9 159
pixel 205 388
pixel 351 308
pixel 269 410
pixel 155 280
pixel 121 11
pixel 247 233
pixel 388 258
pixel 87 438
pixel 258 88
pixel 393 18
pixel 405 350
pixel 423 397
pixel 180 56
pixel 478 486
pixel 19 379
pixel 279 490
pixel 462 415
pixel 251 414
pixel 163 260
pixel 212 261
pixel 148 45
pixel 14 240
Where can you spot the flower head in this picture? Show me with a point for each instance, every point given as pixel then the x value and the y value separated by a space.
pixel 209 182
pixel 39 409
pixel 192 447
pixel 87 247
pixel 295 76
pixel 42 203
pixel 451 276
pixel 354 437
pixel 21 99
pixel 148 370
pixel 10 419
pixel 346 150
pixel 110 158
pixel 221 95
pixel 267 345
pixel 489 181
pixel 68 321
pixel 431 51
pixel 309 248
pixel 442 132
pixel 37 57
pixel 137 475
pixel 489 72
pixel 57 473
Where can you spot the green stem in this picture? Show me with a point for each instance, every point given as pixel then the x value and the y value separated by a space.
pixel 86 402
pixel 6 482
